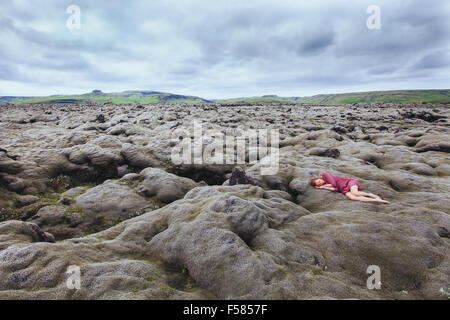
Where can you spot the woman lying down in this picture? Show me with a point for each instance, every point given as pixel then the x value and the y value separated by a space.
pixel 348 186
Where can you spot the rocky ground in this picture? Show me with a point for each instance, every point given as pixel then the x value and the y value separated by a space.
pixel 94 186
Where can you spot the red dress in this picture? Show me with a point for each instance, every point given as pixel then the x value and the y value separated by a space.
pixel 340 184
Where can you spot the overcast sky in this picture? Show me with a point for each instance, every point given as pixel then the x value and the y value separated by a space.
pixel 223 48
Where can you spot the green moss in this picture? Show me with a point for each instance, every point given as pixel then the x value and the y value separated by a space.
pixel 115 221
pixel 130 183
pixel 317 271
pixel 154 277
pixel 350 126
pixel 172 166
pixel 445 293
pixel 9 214
pixel 61 183
pixel 71 210
pixel 168 291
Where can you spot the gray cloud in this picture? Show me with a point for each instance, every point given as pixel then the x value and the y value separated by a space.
pixel 225 48
pixel 315 44
pixel 434 60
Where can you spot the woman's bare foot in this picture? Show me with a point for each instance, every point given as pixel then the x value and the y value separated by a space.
pixel 383 201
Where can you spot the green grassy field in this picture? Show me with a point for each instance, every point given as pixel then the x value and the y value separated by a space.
pixel 400 96
pixel 150 97
pixel 142 97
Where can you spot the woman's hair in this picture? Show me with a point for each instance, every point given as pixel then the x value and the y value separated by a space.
pixel 313 181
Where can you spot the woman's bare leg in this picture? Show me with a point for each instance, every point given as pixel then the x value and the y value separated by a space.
pixel 351 196
pixel 356 192
pixel 368 194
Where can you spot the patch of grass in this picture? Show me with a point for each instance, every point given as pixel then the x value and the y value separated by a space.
pixel 172 167
pixel 73 209
pixel 167 291
pixel 350 126
pixel 317 271
pixel 52 200
pixel 115 221
pixel 155 277
pixel 130 183
pixel 61 183
pixel 9 214
pixel 444 292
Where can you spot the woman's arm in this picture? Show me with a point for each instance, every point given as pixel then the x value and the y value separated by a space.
pixel 328 178
pixel 327 187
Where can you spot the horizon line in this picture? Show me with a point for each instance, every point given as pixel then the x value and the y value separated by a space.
pixel 241 97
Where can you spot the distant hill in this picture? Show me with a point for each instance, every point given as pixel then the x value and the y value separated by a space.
pixel 148 96
pixel 125 97
pixel 4 100
pixel 399 96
